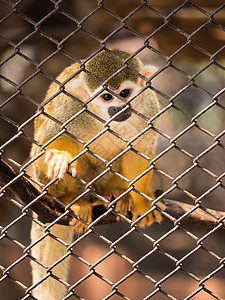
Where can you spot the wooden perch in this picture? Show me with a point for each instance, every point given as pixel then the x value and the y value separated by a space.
pixel 48 209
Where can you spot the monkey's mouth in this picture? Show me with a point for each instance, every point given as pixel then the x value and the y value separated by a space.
pixel 112 110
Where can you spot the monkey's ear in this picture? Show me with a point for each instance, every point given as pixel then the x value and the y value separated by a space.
pixel 78 88
pixel 147 71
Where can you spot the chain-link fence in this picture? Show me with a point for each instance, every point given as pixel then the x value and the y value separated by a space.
pixel 183 256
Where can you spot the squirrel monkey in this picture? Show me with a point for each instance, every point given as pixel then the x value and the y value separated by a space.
pixel 75 131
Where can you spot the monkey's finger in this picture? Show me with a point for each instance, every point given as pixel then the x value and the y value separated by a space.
pixel 55 165
pixel 147 221
pixel 161 206
pixel 48 156
pixel 51 166
pixel 62 166
pixel 157 217
pixel 73 169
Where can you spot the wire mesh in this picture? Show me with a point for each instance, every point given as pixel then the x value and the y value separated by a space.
pixel 185 41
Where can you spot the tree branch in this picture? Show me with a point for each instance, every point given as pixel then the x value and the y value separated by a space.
pixel 48 209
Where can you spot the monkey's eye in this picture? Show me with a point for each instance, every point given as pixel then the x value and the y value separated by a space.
pixel 125 93
pixel 107 97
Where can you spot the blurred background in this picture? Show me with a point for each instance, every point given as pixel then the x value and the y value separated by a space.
pixel 185 41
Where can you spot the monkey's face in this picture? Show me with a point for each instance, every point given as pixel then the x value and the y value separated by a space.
pixel 113 105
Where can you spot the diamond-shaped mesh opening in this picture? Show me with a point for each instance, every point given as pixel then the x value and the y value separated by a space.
pixel 20 32
pixel 198 19
pixel 102 15
pixel 201 36
pixel 36 15
pixel 203 261
pixel 163 35
pixel 143 16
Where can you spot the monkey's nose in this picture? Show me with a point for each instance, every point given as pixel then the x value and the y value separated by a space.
pixel 112 110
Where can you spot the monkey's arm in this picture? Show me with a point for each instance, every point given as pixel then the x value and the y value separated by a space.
pixel 59 119
pixel 58 130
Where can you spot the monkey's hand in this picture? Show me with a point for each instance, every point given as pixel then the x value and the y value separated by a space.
pixel 125 204
pixel 141 207
pixel 57 162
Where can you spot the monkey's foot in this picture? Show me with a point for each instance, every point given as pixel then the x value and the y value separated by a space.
pixel 152 217
pixel 84 211
pixel 57 162
pixel 125 205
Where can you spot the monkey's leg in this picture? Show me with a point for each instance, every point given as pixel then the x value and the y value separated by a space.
pixel 47 251
pixel 141 205
pixel 133 166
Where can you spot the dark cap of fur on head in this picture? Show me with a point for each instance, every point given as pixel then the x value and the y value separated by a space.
pixel 104 64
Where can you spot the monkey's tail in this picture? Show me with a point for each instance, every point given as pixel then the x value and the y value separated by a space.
pixel 49 271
